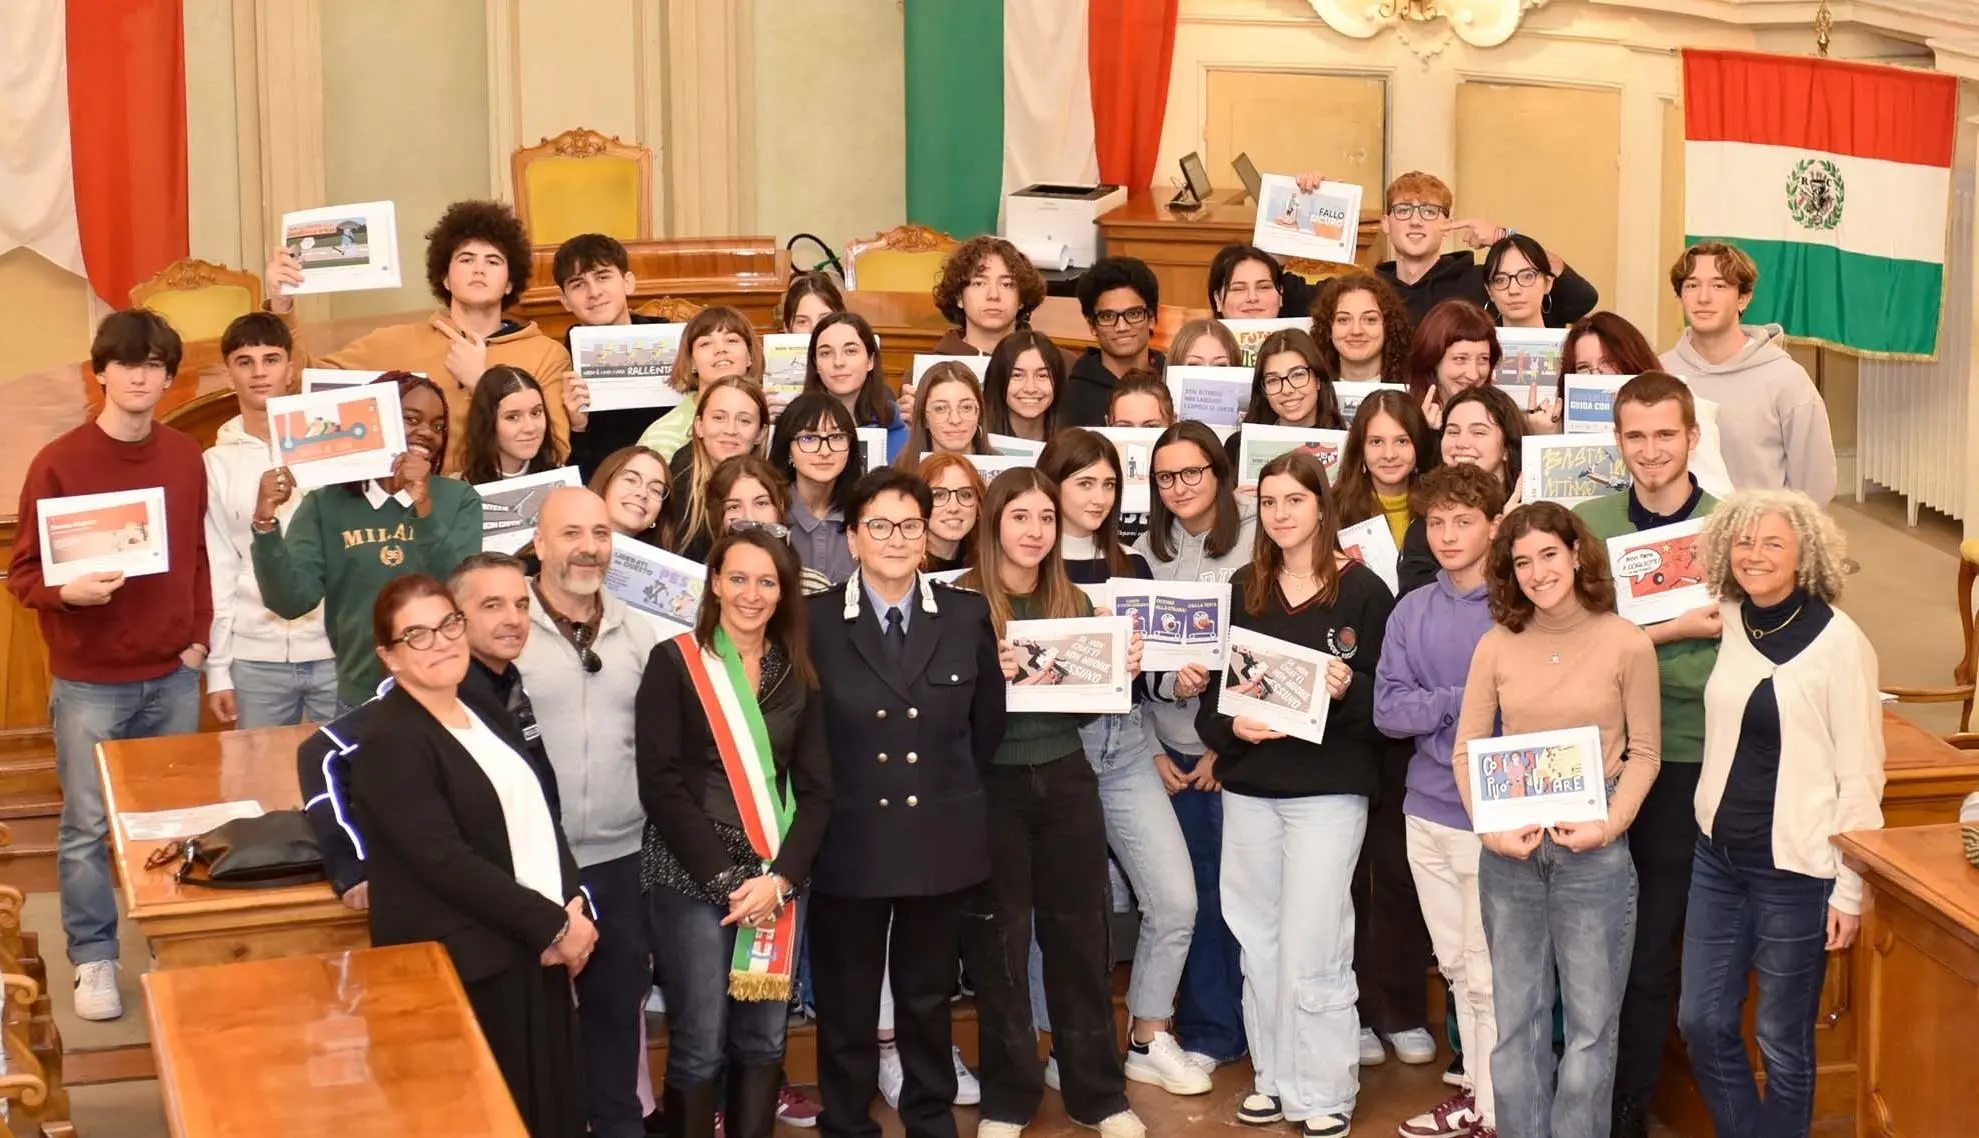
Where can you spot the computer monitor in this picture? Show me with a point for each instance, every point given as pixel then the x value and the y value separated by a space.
pixel 1196 188
pixel 1247 172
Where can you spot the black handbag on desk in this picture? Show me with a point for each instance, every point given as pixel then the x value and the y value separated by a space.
pixel 268 852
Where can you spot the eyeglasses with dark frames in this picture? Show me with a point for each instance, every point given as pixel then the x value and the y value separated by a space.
pixel 1107 318
pixel 581 638
pixel 965 495
pixel 1428 211
pixel 812 443
pixel 420 637
pixel 1293 380
pixel 1526 278
pixel 1188 476
pixel 882 529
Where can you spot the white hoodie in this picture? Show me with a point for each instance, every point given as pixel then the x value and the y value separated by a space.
pixel 1772 423
pixel 243 628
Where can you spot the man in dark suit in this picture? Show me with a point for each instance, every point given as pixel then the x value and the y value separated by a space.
pixel 913 712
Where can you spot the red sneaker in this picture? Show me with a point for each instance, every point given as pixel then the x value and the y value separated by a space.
pixel 1454 1117
pixel 798 1107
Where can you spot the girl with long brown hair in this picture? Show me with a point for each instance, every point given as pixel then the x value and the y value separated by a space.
pixel 947 416
pixel 729 421
pixel 1388 445
pixel 1024 388
pixel 635 483
pixel 1362 327
pixel 1295 810
pixel 1047 851
pixel 958 494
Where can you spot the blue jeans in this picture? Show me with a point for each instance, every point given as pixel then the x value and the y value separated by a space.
pixel 705 1025
pixel 1574 914
pixel 1209 1007
pixel 1744 915
pixel 269 694
pixel 84 715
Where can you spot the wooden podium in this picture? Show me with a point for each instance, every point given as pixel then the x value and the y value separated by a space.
pixel 1180 246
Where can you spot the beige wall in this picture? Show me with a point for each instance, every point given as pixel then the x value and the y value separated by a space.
pixel 213 173
pixel 48 314
pixel 830 119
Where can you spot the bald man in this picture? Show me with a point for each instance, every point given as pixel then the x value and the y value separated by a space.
pixel 582 664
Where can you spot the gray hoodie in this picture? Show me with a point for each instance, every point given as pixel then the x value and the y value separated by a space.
pixel 1772 423
pixel 1173 720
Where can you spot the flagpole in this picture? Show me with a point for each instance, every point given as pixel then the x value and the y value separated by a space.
pixel 1824 23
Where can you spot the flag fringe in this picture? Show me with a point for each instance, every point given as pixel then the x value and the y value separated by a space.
pixel 758 986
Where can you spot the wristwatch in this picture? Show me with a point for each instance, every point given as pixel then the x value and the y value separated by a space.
pixel 262 525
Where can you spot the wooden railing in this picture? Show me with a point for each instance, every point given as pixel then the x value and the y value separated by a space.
pixel 36 1103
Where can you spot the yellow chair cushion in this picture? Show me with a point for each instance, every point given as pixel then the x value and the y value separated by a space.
pixel 1970 550
pixel 886 270
pixel 569 196
pixel 202 313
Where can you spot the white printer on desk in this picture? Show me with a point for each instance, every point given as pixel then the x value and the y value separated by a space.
pixel 1052 223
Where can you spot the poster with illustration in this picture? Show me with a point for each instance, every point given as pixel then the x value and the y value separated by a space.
pixel 1322 223
pixel 872 448
pixel 122 531
pixel 1073 665
pixel 1659 573
pixel 1259 444
pixel 1570 469
pixel 663 587
pixel 1352 393
pixel 1276 682
pixel 1180 622
pixel 1590 408
pixel 343 248
pixel 1537 779
pixel 991 465
pixel 509 507
pixel 1218 396
pixel 345 434
pixel 627 365
pixel 324 378
pixel 1251 333
pixel 1135 446
pixel 785 355
pixel 1014 447
pixel 1530 355
pixel 1372 543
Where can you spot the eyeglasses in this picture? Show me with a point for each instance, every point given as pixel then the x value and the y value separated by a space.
pixel 1188 475
pixel 656 491
pixel 581 637
pixel 882 529
pixel 967 409
pixel 1107 318
pixel 775 529
pixel 1292 380
pixel 1526 278
pixel 965 496
pixel 419 637
pixel 812 444
pixel 1428 211
pixel 1602 368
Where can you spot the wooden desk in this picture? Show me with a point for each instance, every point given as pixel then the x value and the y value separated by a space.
pixel 1925 780
pixel 379 1041
pixel 1917 970
pixel 186 924
pixel 1180 246
pixel 749 273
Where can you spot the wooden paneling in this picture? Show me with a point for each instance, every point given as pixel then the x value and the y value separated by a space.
pixel 749 273
pixel 1180 246
pixel 1545 160
pixel 1292 121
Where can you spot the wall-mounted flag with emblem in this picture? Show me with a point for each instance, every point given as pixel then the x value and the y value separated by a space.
pixel 1836 179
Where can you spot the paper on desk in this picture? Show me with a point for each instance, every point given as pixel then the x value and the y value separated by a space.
pixel 157 825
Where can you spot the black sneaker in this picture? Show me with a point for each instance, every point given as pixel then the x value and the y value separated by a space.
pixel 1631 1119
pixel 1454 1073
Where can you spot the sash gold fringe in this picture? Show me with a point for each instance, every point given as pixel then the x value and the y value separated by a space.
pixel 758 986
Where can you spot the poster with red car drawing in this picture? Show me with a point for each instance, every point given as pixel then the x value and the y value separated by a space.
pixel 1659 573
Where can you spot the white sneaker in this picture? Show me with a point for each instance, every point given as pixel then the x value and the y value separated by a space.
pixel 1414 1046
pixel 891 1076
pixel 1125 1124
pixel 1327 1126
pixel 1162 1064
pixel 1207 1064
pixel 968 1092
pixel 988 1129
pixel 1372 1053
pixel 1051 1073
pixel 96 994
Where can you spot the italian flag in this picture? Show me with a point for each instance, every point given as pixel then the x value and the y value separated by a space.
pixel 1004 93
pixel 1836 179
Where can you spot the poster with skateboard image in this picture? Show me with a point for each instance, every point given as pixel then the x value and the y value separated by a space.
pixel 1659 573
pixel 343 434
pixel 343 248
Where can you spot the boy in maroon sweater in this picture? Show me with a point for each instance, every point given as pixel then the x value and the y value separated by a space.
pixel 125 652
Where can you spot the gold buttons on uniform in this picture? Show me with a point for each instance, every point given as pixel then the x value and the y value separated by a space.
pixel 912 800
pixel 912 757
pixel 954 679
pixel 912 713
pixel 880 714
pixel 882 756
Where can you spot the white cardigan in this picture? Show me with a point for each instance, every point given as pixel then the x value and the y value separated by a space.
pixel 1831 744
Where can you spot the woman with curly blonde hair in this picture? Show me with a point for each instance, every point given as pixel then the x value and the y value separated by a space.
pixel 1793 755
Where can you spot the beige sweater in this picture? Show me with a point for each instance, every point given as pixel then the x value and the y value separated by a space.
pixel 1578 670
pixel 422 347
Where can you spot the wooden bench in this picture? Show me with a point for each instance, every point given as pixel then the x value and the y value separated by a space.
pixel 371 1042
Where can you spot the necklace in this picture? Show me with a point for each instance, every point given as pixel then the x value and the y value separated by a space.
pixel 1306 576
pixel 1763 633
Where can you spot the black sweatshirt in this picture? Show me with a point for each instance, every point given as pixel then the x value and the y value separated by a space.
pixel 1745 812
pixel 1348 762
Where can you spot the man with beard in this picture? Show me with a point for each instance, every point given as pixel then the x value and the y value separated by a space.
pixel 583 659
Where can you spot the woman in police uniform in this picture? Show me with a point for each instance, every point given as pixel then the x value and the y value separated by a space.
pixel 913 711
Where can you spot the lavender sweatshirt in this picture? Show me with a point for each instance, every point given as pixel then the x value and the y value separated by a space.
pixel 1419 688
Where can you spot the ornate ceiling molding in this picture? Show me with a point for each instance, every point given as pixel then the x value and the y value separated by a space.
pixel 1426 26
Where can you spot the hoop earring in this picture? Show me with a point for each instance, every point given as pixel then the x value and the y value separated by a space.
pixel 1546 305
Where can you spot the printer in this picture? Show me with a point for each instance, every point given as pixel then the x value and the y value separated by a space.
pixel 1057 226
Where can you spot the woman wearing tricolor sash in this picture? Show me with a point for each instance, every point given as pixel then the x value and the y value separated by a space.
pixel 737 788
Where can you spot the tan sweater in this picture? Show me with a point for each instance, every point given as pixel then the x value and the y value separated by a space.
pixel 1578 670
pixel 422 347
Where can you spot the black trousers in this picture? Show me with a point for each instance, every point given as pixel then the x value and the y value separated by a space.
pixel 1048 860
pixel 850 946
pixel 611 998
pixel 1663 840
pixel 1391 944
